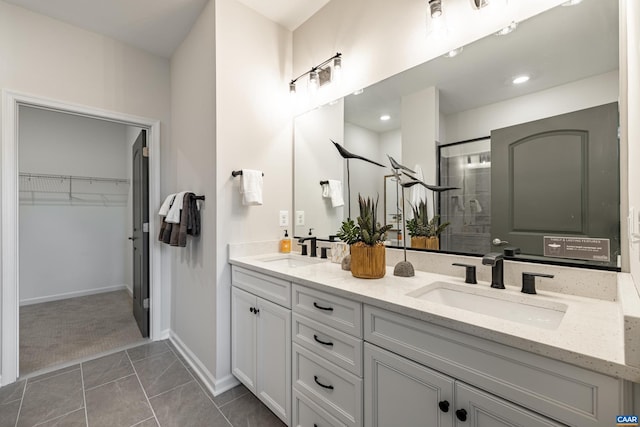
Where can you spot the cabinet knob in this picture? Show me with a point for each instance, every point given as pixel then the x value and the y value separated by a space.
pixel 461 414
pixel 444 406
pixel 251 309
pixel 256 311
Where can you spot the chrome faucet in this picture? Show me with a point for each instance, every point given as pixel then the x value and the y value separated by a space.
pixel 496 261
pixel 313 244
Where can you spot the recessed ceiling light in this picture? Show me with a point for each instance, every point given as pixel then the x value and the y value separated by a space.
pixel 385 117
pixel 520 79
pixel 508 29
pixel 452 53
pixel 572 2
pixel 358 92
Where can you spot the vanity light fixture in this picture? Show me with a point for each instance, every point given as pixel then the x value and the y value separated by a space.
pixel 508 29
pixel 321 73
pixel 435 8
pixel 436 23
pixel 521 79
pixel 385 117
pixel 479 4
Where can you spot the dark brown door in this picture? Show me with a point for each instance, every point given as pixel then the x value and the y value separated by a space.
pixel 557 177
pixel 140 236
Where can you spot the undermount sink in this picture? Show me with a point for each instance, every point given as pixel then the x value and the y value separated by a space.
pixel 515 308
pixel 292 261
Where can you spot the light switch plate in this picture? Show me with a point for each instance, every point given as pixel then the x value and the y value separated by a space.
pixel 299 217
pixel 284 218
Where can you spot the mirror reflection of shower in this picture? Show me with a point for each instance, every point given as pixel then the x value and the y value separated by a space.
pixel 466 165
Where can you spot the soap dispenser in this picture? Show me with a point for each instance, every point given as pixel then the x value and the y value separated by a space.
pixel 285 243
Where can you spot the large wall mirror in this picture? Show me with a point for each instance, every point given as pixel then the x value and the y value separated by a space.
pixel 536 163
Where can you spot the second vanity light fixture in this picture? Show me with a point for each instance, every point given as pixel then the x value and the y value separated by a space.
pixel 321 73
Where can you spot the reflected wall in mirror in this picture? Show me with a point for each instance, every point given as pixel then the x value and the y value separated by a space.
pixel 571 57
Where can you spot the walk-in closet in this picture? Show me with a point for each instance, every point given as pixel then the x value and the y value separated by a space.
pixel 75 218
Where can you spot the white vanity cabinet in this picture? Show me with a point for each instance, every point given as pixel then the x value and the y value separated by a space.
pixel 491 382
pixel 402 393
pixel 261 338
pixel 327 359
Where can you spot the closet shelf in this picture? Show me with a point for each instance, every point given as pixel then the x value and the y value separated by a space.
pixel 93 189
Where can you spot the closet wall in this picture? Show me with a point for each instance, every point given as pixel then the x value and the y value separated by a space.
pixel 72 244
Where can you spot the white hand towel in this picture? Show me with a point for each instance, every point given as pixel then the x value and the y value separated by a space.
pixel 251 187
pixel 418 192
pixel 173 217
pixel 164 209
pixel 335 192
pixel 477 203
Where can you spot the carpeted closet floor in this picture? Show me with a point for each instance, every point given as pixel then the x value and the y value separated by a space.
pixel 56 332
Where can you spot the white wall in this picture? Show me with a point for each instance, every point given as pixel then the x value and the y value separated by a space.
pixel 317 160
pixel 254 130
pixel 71 247
pixel 229 111
pixel 578 95
pixel 193 111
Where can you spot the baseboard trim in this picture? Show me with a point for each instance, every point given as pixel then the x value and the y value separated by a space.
pixel 74 294
pixel 215 386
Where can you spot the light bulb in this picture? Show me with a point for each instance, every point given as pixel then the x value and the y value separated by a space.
pixel 314 80
pixel 337 70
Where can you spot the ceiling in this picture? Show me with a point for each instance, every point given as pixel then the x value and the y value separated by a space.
pixel 559 46
pixel 158 26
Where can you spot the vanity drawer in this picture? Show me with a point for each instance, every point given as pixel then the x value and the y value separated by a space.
pixel 334 389
pixel 270 288
pixel 342 349
pixel 337 312
pixel 306 413
pixel 563 392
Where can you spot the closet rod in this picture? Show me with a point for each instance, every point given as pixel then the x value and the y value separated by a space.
pixel 77 178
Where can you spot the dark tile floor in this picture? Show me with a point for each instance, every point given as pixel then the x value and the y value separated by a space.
pixel 146 386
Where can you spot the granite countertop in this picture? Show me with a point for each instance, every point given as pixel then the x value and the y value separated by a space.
pixel 590 335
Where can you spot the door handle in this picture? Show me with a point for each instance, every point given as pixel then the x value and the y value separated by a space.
pixel 131 238
pixel 498 242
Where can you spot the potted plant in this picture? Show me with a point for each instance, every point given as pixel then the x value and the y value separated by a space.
pixel 366 241
pixel 425 232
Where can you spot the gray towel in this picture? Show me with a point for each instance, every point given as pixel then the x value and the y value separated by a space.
pixel 189 222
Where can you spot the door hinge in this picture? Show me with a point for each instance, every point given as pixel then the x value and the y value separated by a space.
pixel 145 303
pixel 145 151
pixel 145 227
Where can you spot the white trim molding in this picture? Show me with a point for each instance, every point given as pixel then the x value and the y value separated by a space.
pixel 11 101
pixel 215 386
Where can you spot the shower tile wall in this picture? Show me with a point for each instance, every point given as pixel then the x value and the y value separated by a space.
pixel 469 208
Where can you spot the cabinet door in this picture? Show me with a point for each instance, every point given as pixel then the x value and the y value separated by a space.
pixel 243 337
pixel 485 410
pixel 401 393
pixel 274 358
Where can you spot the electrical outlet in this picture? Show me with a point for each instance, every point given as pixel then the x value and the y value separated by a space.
pixel 299 217
pixel 284 218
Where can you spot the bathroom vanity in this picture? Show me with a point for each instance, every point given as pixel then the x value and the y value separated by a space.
pixel 427 350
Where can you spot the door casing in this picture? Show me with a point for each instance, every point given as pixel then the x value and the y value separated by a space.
pixel 9 290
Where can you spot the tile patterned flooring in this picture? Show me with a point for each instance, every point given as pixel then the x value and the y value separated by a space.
pixel 146 386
